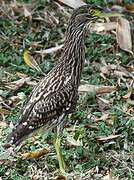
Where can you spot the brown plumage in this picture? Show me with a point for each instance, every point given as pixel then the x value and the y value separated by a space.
pixel 56 94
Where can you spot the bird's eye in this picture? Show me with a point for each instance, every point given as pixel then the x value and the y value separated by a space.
pixel 94 12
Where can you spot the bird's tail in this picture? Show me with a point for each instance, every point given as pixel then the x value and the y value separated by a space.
pixel 19 133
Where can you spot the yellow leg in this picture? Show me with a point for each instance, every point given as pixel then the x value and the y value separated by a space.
pixel 59 155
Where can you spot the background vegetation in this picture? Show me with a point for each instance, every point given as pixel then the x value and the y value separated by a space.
pixel 97 142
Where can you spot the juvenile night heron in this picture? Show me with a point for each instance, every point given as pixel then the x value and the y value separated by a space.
pixel 55 96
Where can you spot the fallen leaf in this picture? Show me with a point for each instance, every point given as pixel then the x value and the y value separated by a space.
pixel 108 177
pixel 15 100
pixel 30 61
pixel 129 68
pixel 104 117
pixel 4 111
pixel 73 3
pixel 35 154
pixel 3 124
pixel 131 102
pixel 91 127
pixel 61 177
pixel 105 70
pixel 97 89
pixel 36 45
pixel 98 27
pixel 15 85
pixel 124 35
pixel 7 154
pixel 120 74
pixel 50 50
pixel 73 142
pixel 127 96
pixel 21 75
pixel 108 137
pixel 27 13
pixel 117 8
pixel 16 8
pixel 130 7
pixel 103 104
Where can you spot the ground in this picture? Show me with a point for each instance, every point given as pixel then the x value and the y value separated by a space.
pixel 97 142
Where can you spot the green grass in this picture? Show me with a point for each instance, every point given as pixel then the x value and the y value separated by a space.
pixel 85 156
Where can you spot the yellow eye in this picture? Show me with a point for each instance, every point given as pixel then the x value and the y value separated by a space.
pixel 94 12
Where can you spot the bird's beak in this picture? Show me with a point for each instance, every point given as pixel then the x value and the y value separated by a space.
pixel 110 14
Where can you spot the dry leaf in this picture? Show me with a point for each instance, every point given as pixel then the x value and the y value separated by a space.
pixel 131 102
pixel 4 111
pixel 36 45
pixel 50 50
pixel 16 8
pixel 117 8
pixel 27 13
pixel 61 177
pixel 130 7
pixel 104 117
pixel 15 85
pixel 129 68
pixel 30 61
pixel 127 96
pixel 108 137
pixel 21 75
pixel 35 154
pixel 124 35
pixel 73 142
pixel 108 177
pixel 106 69
pixel 15 100
pixel 91 127
pixel 73 3
pixel 103 104
pixel 119 72
pixel 3 124
pixel 98 27
pixel 97 89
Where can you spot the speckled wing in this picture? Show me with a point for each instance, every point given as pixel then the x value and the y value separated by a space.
pixel 47 110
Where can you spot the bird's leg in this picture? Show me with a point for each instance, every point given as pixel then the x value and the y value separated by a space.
pixel 58 151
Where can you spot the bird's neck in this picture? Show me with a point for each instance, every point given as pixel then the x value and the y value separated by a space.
pixel 74 53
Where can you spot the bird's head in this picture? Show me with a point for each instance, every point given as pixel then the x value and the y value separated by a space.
pixel 88 13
